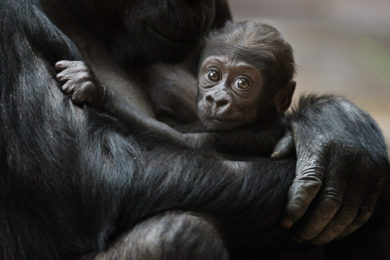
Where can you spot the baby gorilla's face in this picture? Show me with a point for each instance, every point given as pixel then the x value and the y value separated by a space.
pixel 229 93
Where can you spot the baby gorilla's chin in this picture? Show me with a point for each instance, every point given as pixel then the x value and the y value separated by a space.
pixel 214 124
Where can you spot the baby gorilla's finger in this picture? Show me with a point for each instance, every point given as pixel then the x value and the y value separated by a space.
pixel 83 93
pixel 284 147
pixel 63 64
pixel 69 86
pixel 73 74
pixel 63 76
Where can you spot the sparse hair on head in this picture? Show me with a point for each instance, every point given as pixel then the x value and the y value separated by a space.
pixel 257 43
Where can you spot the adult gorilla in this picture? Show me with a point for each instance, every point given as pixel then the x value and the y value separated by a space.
pixel 74 184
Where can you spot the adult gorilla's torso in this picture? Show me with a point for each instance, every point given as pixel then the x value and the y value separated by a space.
pixel 97 56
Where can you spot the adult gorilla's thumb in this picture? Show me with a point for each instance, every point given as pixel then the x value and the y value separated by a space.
pixel 284 147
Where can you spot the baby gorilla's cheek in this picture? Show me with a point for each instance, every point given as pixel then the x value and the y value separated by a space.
pixel 250 115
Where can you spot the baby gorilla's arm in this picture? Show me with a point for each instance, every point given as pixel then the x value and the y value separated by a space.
pixel 79 82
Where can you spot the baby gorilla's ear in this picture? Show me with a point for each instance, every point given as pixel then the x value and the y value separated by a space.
pixel 284 97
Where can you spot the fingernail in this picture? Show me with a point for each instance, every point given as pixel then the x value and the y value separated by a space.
pixel 287 223
pixel 274 154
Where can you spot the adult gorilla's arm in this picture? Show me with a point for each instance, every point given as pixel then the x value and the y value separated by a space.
pixel 342 163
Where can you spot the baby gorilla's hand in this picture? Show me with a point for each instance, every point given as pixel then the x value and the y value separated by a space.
pixel 77 81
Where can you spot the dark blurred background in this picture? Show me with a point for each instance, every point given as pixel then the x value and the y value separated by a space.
pixel 341 47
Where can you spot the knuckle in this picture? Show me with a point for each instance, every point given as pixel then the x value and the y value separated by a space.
pixel 332 200
pixel 85 76
pixel 312 173
pixel 78 64
pixel 89 85
pixel 60 64
pixel 81 66
pixel 306 186
pixel 65 88
pixel 60 75
pixel 310 159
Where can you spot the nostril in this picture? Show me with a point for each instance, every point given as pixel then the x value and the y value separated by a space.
pixel 209 99
pixel 221 103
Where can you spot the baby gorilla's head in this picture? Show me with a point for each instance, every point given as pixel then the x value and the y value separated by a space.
pixel 245 76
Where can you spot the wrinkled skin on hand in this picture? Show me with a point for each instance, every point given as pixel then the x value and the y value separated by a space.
pixel 79 82
pixel 341 166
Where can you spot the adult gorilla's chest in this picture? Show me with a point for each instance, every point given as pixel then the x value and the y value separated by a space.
pixel 108 72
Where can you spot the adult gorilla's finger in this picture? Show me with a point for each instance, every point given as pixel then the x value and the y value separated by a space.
pixel 328 202
pixel 362 218
pixel 305 187
pixel 353 199
pixel 368 206
pixel 284 147
pixel 364 214
pixel 345 217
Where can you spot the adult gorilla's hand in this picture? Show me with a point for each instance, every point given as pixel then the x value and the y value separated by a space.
pixel 341 165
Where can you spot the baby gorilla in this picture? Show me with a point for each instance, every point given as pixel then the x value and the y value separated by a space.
pixel 245 77
pixel 244 87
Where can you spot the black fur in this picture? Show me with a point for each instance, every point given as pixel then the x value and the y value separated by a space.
pixel 74 184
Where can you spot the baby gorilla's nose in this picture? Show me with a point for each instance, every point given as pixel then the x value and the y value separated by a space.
pixel 218 103
pixel 221 103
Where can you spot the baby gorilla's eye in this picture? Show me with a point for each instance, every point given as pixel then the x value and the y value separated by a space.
pixel 243 83
pixel 213 75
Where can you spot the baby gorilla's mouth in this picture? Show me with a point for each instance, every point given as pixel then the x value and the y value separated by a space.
pixel 220 124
